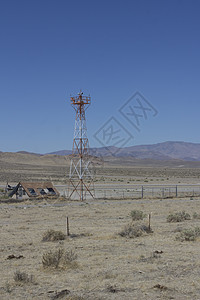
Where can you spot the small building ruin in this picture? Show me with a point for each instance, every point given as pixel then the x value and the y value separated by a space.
pixel 25 190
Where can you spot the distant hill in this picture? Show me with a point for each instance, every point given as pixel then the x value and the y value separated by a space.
pixel 161 151
pixel 61 152
pixel 26 152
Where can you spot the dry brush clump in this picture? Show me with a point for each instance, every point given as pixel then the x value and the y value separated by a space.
pixel 135 230
pixel 59 258
pixel 114 289
pixel 178 217
pixel 8 288
pixel 196 215
pixel 64 294
pixel 4 196
pixel 137 215
pixel 23 277
pixel 53 235
pixel 189 234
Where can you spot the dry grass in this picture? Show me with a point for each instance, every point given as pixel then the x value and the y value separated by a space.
pixel 151 266
pixel 109 266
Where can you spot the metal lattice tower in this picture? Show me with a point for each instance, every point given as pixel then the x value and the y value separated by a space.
pixel 81 180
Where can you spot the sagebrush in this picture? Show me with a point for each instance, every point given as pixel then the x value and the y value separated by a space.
pixel 189 234
pixel 134 230
pixel 137 215
pixel 178 217
pixel 59 258
pixel 53 235
pixel 23 277
pixel 196 215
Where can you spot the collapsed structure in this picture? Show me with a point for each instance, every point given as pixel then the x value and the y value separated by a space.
pixel 24 190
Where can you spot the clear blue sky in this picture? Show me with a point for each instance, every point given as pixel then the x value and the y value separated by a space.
pixel 110 49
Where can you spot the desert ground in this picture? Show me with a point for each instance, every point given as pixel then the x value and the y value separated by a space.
pixel 156 265
pixel 15 167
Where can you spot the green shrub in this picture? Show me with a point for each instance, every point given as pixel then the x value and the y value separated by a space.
pixel 137 215
pixel 178 217
pixel 53 235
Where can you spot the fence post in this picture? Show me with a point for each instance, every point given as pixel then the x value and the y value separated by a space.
pixel 163 192
pixel 176 191
pixel 67 226
pixel 149 221
pixel 142 191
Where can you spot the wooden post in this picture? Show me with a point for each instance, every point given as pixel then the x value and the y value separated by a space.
pixel 149 221
pixel 67 226
pixel 176 191
pixel 142 191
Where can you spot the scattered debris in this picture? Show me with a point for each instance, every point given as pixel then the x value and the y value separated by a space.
pixel 12 256
pixel 58 295
pixel 158 252
pixel 160 287
pixel 114 289
pixel 80 235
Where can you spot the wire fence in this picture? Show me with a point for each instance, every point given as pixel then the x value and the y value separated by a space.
pixel 141 191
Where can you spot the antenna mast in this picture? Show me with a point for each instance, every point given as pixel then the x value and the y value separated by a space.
pixel 81 180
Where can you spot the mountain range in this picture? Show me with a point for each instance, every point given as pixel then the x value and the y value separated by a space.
pixel 160 151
